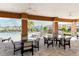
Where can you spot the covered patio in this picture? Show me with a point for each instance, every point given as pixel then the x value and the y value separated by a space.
pixel 43 12
pixel 43 51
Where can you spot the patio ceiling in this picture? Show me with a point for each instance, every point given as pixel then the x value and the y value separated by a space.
pixel 43 9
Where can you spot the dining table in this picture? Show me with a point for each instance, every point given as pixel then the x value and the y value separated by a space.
pixel 60 36
pixel 32 38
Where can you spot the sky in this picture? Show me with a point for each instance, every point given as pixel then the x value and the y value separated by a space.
pixel 48 23
pixel 66 23
pixel 37 23
pixel 17 22
pixel 44 23
pixel 10 22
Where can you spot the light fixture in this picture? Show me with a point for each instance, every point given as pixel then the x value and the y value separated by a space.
pixel 70 16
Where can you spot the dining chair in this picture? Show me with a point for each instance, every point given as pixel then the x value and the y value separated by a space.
pixel 26 46
pixel 16 46
pixel 45 40
pixel 65 42
pixel 77 35
pixel 55 38
pixel 8 39
pixel 48 41
pixel 36 43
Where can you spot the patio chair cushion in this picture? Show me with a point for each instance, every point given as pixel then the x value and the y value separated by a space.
pixel 26 44
pixel 24 38
pixel 26 48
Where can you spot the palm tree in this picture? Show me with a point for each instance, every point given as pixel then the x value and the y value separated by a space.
pixel 64 28
pixel 45 29
pixel 31 26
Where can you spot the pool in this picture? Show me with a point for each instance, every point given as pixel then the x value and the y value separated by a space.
pixel 16 36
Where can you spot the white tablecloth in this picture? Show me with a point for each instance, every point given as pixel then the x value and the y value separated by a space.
pixel 32 38
pixel 59 36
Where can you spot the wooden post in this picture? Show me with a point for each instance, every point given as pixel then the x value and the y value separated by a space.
pixel 24 26
pixel 73 28
pixel 55 25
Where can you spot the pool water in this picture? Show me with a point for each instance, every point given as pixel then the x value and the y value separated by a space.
pixel 15 36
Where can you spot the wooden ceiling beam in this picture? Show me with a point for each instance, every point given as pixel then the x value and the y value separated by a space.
pixel 34 17
pixel 43 18
pixel 9 14
pixel 77 20
pixel 65 20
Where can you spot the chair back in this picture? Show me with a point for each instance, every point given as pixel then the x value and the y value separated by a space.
pixel 55 34
pixel 68 38
pixel 45 39
pixel 37 41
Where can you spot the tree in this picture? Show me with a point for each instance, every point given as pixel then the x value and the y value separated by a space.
pixel 64 28
pixel 45 28
pixel 31 26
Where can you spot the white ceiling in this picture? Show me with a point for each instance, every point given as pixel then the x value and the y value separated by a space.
pixel 43 9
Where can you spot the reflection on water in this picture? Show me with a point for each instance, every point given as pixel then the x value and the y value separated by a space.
pixel 16 36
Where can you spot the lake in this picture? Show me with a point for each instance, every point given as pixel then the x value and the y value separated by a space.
pixel 16 36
